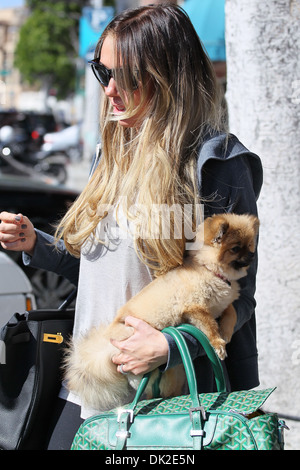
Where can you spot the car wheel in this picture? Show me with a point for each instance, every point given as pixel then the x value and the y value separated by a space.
pixel 58 172
pixel 50 290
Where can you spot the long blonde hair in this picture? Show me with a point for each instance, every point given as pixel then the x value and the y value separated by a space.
pixel 153 164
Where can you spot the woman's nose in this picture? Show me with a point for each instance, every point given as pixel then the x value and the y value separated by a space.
pixel 111 89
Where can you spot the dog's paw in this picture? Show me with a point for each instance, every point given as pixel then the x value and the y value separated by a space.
pixel 219 346
pixel 227 338
pixel 225 335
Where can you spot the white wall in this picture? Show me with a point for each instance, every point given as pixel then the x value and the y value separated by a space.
pixel 263 50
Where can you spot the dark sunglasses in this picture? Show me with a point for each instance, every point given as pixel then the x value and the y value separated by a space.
pixel 103 74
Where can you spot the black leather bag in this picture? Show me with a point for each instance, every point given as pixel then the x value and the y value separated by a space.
pixel 32 346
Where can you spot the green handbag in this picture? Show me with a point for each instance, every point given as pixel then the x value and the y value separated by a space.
pixel 212 421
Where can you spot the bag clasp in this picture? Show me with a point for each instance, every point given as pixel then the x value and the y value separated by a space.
pixel 129 414
pixel 198 408
pixel 50 338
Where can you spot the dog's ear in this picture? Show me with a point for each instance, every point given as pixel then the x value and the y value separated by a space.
pixel 256 225
pixel 221 229
pixel 215 228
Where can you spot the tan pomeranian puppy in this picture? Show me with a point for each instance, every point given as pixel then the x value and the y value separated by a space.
pixel 199 291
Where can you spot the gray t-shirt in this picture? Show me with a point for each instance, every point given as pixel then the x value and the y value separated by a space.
pixel 110 274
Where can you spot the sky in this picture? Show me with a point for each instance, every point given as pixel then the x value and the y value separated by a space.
pixel 11 3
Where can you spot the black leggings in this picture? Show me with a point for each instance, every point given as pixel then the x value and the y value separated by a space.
pixel 64 425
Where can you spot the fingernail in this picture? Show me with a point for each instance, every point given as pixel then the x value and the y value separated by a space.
pixel 23 226
pixel 18 218
pixel 23 239
pixel 21 234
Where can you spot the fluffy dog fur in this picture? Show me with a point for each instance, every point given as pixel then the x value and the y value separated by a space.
pixel 198 292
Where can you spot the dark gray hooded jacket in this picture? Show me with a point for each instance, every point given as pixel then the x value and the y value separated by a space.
pixel 233 176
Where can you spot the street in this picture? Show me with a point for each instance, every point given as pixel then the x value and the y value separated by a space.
pixel 78 174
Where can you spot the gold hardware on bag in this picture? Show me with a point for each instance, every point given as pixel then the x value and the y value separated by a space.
pixel 50 338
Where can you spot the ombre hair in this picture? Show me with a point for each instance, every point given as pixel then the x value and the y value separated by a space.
pixel 155 162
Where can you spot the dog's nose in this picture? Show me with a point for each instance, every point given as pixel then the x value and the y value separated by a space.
pixel 250 256
pixel 246 260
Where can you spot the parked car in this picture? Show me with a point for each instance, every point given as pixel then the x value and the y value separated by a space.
pixel 16 293
pixel 36 164
pixel 44 204
pixel 22 153
pixel 67 141
pixel 29 128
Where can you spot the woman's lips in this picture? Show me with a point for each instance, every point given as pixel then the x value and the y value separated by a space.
pixel 118 108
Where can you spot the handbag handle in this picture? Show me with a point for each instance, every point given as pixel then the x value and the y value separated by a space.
pixel 197 412
pixel 175 332
pixel 68 300
pixel 210 352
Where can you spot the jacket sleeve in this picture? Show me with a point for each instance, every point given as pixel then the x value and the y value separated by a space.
pixel 51 258
pixel 227 186
pixel 232 183
pixel 57 259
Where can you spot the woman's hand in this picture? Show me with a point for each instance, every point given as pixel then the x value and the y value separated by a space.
pixel 17 233
pixel 142 352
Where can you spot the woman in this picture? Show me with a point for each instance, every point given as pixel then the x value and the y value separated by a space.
pixel 162 145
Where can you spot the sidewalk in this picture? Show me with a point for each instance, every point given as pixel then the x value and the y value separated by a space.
pixel 78 174
pixel 292 437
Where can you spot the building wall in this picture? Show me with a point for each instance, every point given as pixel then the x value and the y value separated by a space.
pixel 263 94
pixel 10 86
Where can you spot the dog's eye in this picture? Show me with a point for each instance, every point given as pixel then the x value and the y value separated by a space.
pixel 235 249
